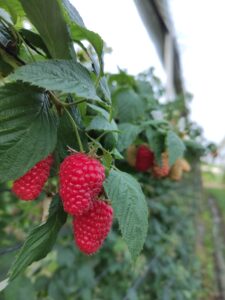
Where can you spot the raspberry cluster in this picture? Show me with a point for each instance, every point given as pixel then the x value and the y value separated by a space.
pixel 30 185
pixel 81 181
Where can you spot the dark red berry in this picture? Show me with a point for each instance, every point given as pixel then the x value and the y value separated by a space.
pixel 92 228
pixel 81 178
pixel 30 185
pixel 144 158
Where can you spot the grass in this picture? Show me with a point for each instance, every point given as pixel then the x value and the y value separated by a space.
pixel 205 251
pixel 219 196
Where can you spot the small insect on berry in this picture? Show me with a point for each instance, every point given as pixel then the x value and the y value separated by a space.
pixel 81 178
pixel 30 185
pixel 92 228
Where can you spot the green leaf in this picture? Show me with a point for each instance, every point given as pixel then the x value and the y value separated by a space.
pixel 47 17
pixel 100 110
pixel 59 75
pixel 28 129
pixel 128 134
pixel 105 89
pixel 110 140
pixel 79 32
pixel 35 40
pixel 129 105
pixel 14 8
pixel 100 123
pixel 156 142
pixel 175 147
pixel 5 69
pixel 130 209
pixel 40 240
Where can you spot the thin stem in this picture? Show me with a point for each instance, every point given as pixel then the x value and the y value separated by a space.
pixel 75 129
pixel 75 102
pixel 55 100
pixel 97 143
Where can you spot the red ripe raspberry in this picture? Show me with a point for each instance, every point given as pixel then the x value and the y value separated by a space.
pixel 92 228
pixel 81 179
pixel 144 158
pixel 29 186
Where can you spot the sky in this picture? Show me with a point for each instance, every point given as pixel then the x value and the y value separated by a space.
pixel 199 29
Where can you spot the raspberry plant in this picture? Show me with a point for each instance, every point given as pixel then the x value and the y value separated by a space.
pixel 52 104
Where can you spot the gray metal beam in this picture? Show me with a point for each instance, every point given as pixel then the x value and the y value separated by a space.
pixel 157 20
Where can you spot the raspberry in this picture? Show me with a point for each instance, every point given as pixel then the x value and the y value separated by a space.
pixel 29 186
pixel 92 228
pixel 185 165
pixel 131 154
pixel 176 171
pixel 161 171
pixel 81 178
pixel 144 158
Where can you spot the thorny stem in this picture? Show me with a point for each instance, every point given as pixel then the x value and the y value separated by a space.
pixel 75 129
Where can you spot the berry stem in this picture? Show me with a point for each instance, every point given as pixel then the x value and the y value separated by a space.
pixel 95 142
pixel 75 129
pixel 55 100
pixel 76 102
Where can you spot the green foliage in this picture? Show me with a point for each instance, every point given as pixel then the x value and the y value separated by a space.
pixel 28 129
pixel 66 137
pixel 47 18
pixel 58 75
pixel 128 133
pixel 175 147
pixel 35 40
pixel 59 103
pixel 101 123
pixel 79 32
pixel 14 291
pixel 40 240
pixel 156 142
pixel 128 104
pixel 14 8
pixel 130 209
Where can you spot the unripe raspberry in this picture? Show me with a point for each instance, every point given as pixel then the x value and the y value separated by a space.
pixel 81 178
pixel 131 154
pixel 176 171
pixel 92 228
pixel 30 185
pixel 144 158
pixel 185 165
pixel 163 170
